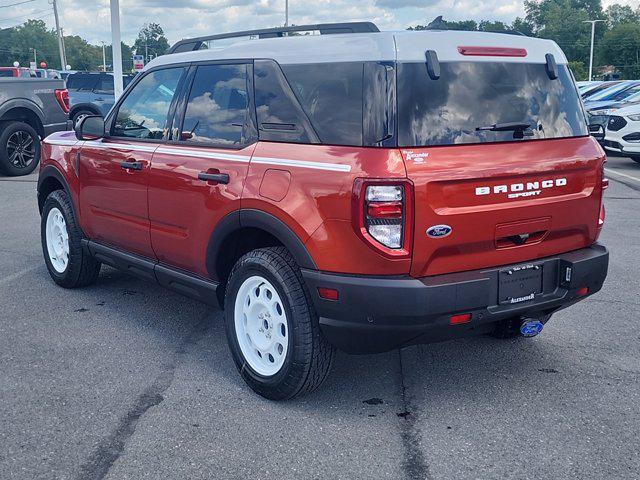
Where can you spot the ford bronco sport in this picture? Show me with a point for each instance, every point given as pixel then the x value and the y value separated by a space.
pixel 356 189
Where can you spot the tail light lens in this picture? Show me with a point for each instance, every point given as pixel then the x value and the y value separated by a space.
pixel 383 215
pixel 62 96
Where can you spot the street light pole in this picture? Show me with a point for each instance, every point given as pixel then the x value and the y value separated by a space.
pixel 286 13
pixel 116 48
pixel 104 58
pixel 593 33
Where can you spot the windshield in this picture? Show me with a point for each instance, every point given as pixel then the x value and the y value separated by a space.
pixel 626 94
pixel 477 102
pixel 6 73
pixel 609 93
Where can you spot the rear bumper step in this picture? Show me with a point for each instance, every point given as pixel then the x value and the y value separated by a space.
pixel 376 314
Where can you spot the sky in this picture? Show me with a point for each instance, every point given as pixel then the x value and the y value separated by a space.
pixel 189 18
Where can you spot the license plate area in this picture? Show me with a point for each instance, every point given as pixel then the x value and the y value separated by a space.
pixel 519 284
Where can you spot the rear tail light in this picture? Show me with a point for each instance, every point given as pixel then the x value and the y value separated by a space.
pixel 605 181
pixel 605 185
pixel 62 96
pixel 383 215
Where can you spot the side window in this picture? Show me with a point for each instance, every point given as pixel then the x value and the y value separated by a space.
pixel 217 110
pixel 143 113
pixel 105 85
pixel 280 117
pixel 331 95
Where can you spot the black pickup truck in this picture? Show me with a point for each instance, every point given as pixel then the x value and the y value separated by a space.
pixel 30 109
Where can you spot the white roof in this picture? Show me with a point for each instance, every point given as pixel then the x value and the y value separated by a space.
pixel 403 46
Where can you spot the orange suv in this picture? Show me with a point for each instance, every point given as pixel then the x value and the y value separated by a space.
pixel 356 189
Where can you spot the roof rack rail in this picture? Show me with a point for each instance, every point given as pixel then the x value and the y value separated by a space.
pixel 192 44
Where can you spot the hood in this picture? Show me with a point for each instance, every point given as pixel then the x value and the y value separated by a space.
pixel 629 109
pixel 59 138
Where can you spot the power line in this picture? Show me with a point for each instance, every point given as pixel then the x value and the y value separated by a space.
pixel 14 4
pixel 26 15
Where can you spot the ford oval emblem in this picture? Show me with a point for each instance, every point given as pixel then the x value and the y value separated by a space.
pixel 439 231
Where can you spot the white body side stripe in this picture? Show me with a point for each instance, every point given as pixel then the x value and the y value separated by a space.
pixel 63 143
pixel 334 167
pixel 286 162
pixel 122 146
pixel 202 154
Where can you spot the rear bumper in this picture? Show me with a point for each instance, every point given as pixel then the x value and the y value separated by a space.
pixel 376 314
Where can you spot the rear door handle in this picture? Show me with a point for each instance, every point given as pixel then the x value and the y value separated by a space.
pixel 214 177
pixel 131 165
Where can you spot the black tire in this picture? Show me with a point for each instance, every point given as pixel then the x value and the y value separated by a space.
pixel 19 149
pixel 81 269
pixel 635 158
pixel 80 114
pixel 309 355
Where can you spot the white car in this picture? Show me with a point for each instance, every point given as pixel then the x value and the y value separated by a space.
pixel 622 134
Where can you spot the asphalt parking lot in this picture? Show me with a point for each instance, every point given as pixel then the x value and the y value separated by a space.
pixel 127 380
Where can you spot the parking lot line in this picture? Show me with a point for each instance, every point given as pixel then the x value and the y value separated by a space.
pixel 631 177
pixel 16 275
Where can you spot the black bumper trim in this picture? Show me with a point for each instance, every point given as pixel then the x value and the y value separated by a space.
pixel 376 314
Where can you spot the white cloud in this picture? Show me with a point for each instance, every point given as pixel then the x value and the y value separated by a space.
pixel 190 18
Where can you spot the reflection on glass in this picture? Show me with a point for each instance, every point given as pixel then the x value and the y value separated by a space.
pixel 217 108
pixel 471 96
pixel 143 113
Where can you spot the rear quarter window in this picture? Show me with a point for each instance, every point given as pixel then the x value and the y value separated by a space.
pixel 474 95
pixel 331 96
pixel 82 82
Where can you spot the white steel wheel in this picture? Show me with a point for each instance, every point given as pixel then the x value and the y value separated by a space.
pixel 261 326
pixel 57 240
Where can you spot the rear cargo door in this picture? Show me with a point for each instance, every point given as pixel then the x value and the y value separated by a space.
pixel 500 159
pixel 502 204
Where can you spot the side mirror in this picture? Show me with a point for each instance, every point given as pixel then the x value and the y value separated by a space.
pixel 90 127
pixel 596 131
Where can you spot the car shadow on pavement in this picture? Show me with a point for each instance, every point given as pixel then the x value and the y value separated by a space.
pixel 440 369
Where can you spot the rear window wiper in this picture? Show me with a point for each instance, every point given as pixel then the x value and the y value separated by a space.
pixel 505 127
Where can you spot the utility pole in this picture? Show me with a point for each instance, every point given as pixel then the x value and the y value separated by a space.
pixel 116 48
pixel 104 58
pixel 63 61
pixel 286 13
pixel 64 50
pixel 593 33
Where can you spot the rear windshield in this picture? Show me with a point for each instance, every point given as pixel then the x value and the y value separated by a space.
pixel 470 98
pixel 82 81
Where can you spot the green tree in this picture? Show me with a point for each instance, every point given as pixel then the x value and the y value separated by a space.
pixel 617 14
pixel 151 41
pixel 579 70
pixel 18 44
pixel 620 47
pixel 523 26
pixel 493 26
pixel 563 22
pixel 81 55
pixel 542 12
